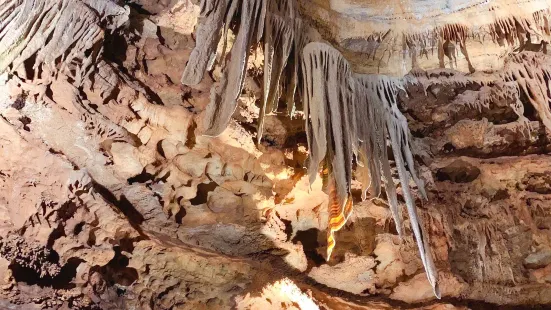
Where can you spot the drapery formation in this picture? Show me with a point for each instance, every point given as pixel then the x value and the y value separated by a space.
pixel 215 16
pixel 330 126
pixel 352 116
pixel 347 116
pixel 285 35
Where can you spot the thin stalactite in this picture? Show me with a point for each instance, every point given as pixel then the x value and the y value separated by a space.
pixel 278 41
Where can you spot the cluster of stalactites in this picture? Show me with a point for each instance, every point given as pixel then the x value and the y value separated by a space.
pixel 215 16
pixel 347 116
pixel 351 116
pixel 516 31
pixel 376 102
pixel 541 19
pixel 328 99
pixel 378 96
pixel 531 72
pixel 284 37
pixel 520 33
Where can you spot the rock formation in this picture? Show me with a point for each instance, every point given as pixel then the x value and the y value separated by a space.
pixel 220 154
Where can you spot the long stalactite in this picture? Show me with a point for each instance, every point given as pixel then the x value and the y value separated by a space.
pixel 328 98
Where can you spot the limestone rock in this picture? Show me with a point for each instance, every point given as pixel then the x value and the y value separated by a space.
pixel 113 197
pixel 538 260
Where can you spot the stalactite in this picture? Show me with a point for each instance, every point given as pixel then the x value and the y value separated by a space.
pixel 444 38
pixel 278 38
pixel 531 73
pixel 225 92
pixel 371 101
pixel 541 19
pixel 423 40
pixel 302 36
pixel 379 99
pixel 450 34
pixel 518 33
pixel 208 34
pixel 329 109
pixel 365 108
pixel 285 38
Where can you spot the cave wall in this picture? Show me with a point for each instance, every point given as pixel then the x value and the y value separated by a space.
pixel 111 199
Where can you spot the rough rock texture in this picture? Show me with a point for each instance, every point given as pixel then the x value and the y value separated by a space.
pixel 392 37
pixel 111 197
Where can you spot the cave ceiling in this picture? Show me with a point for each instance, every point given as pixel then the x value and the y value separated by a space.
pixel 377 36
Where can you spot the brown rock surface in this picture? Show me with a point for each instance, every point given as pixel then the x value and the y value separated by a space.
pixel 396 36
pixel 110 197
